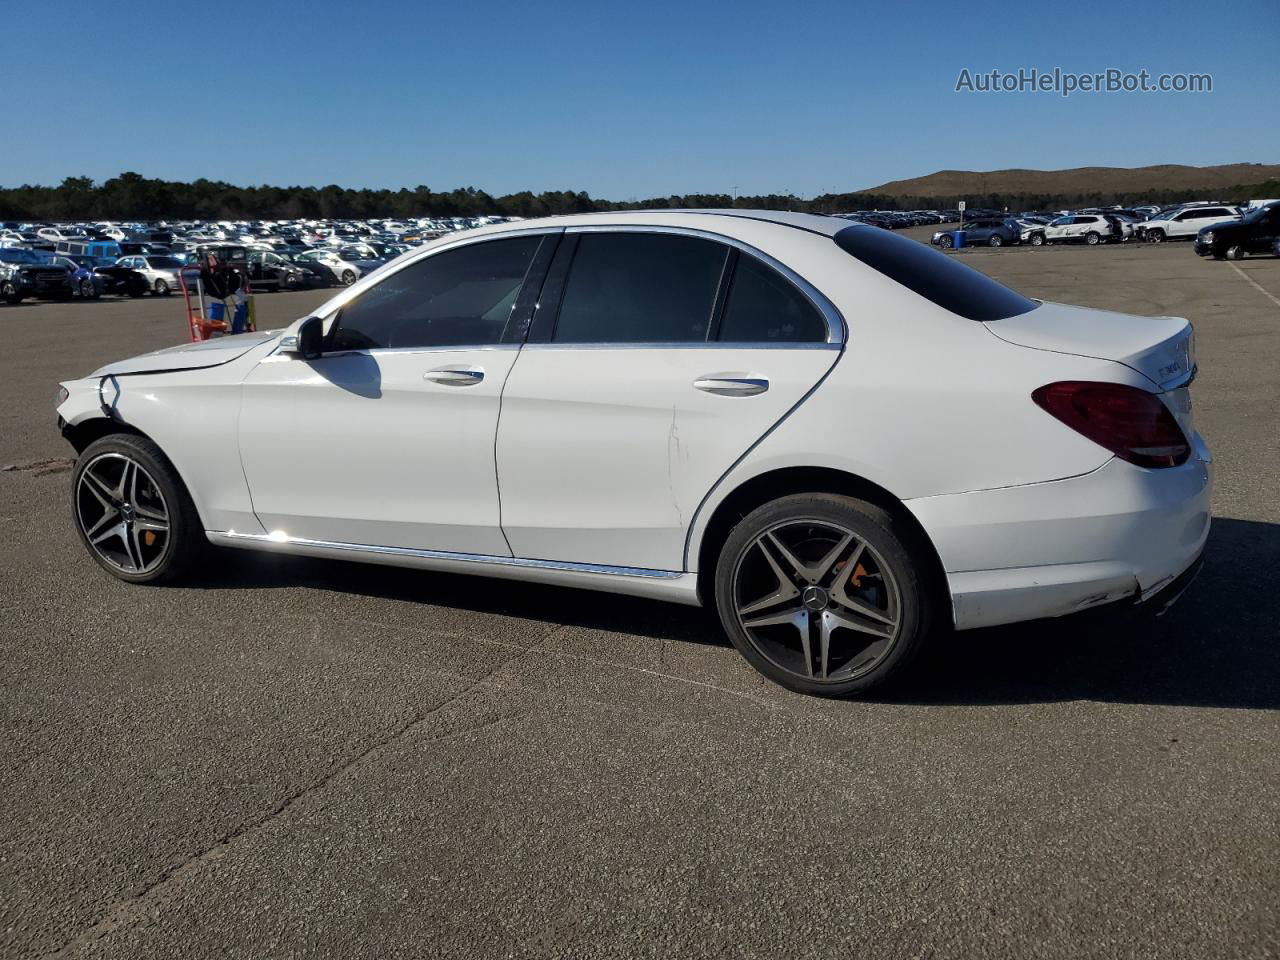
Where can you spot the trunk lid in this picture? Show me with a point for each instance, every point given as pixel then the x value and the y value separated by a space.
pixel 1162 349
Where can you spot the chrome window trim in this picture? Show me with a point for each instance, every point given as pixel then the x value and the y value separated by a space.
pixel 268 540
pixel 683 345
pixel 397 351
pixel 837 329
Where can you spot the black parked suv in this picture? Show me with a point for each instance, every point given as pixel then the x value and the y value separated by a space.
pixel 24 274
pixel 1258 231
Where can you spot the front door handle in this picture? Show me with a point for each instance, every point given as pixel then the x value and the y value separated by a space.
pixel 455 376
pixel 732 386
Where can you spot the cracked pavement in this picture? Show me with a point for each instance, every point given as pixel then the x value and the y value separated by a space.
pixel 293 758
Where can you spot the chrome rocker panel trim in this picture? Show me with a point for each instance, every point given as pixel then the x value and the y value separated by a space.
pixel 670 585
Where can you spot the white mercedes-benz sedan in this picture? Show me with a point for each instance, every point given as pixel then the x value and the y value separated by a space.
pixel 843 440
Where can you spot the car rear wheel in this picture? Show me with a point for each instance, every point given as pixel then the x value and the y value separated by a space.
pixel 946 243
pixel 132 511
pixel 825 594
pixel 162 288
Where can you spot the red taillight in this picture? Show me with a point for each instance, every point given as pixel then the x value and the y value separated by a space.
pixel 1133 424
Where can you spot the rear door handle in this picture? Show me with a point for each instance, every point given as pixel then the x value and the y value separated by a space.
pixel 732 386
pixel 455 376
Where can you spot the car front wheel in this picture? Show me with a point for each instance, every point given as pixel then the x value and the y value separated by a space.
pixel 946 243
pixel 825 594
pixel 132 511
pixel 1155 236
pixel 348 277
pixel 1036 240
pixel 1235 252
pixel 162 288
pixel 996 240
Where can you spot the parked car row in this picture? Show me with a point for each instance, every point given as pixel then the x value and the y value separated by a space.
pixel 61 261
pixel 1219 230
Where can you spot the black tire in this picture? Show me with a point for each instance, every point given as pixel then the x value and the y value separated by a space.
pixel 1155 236
pixel 996 240
pixel 138 289
pixel 1093 238
pixel 1235 252
pixel 898 560
pixel 1036 240
pixel 348 277
pixel 181 548
pixel 10 293
pixel 162 288
pixel 946 243
pixel 291 282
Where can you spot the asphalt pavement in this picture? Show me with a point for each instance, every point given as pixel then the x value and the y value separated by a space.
pixel 293 758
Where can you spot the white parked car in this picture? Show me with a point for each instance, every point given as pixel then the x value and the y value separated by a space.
pixel 347 265
pixel 162 272
pixel 54 234
pixel 1090 228
pixel 841 439
pixel 1186 222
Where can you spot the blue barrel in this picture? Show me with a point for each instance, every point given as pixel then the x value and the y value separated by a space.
pixel 959 238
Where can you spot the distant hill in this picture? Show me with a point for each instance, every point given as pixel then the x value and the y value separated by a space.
pixel 1079 181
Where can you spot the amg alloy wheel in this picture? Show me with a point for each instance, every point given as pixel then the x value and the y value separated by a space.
pixel 821 594
pixel 132 511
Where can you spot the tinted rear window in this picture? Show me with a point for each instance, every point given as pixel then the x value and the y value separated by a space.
pixel 933 275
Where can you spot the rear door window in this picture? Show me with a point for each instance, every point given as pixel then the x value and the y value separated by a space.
pixel 765 307
pixel 634 287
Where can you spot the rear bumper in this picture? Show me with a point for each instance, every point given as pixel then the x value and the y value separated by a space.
pixel 1120 533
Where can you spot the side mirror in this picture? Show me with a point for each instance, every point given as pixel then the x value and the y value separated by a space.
pixel 308 344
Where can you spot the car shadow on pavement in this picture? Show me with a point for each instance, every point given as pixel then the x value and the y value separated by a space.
pixel 1218 646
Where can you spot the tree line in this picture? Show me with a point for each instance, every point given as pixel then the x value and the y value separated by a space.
pixel 131 196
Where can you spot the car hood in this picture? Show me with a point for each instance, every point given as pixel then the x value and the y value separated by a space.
pixel 1160 348
pixel 189 356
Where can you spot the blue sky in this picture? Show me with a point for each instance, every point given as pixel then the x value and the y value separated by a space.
pixel 622 100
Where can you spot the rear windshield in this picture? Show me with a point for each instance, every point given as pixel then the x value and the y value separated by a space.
pixel 933 275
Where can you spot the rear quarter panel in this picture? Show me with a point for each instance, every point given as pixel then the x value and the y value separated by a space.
pixel 922 402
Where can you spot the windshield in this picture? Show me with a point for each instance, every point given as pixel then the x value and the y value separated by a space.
pixel 933 275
